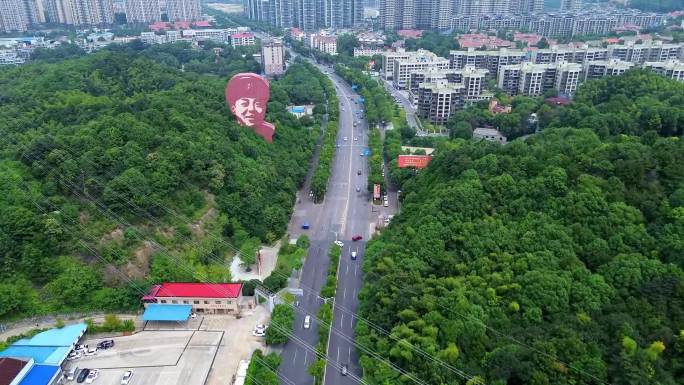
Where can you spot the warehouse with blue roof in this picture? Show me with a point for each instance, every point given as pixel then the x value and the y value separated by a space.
pixel 43 354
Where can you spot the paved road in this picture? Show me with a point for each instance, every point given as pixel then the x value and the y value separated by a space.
pixel 343 214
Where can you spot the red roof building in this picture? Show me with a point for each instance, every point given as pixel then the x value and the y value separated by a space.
pixel 10 368
pixel 205 298
pixel 410 33
pixel 202 24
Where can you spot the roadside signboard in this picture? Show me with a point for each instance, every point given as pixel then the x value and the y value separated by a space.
pixel 415 161
pixel 376 191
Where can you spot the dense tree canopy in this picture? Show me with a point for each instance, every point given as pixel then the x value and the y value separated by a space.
pixel 554 260
pixel 99 149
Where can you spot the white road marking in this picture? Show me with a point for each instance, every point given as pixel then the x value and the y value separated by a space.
pixel 338 354
pixel 344 293
pixel 349 359
pixel 294 358
pixel 306 355
pixel 356 270
pixel 341 319
pixel 347 272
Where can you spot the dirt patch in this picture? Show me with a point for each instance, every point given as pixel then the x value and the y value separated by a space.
pixel 115 235
pixel 168 232
pixel 197 228
pixel 83 217
pixel 136 268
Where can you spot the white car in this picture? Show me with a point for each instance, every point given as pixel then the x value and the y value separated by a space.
pixel 356 138
pixel 80 347
pixel 193 315
pixel 91 352
pixel 307 322
pixel 259 330
pixel 345 138
pixel 74 355
pixel 339 243
pixel 92 376
pixel 126 379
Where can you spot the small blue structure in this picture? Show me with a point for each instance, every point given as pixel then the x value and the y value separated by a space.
pixel 297 109
pixel 354 87
pixel 161 312
pixel 366 151
pixel 48 355
pixel 40 375
pixel 361 100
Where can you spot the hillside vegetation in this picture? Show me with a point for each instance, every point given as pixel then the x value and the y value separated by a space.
pixel 555 260
pixel 125 168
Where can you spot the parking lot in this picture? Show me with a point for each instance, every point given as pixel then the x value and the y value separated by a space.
pixel 206 350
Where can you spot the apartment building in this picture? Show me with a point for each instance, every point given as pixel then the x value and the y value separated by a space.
pixel 367 51
pixel 570 5
pixel 437 101
pixel 324 43
pixel 142 11
pixel 18 15
pixel 653 51
pixel 531 79
pixel 489 60
pixel 273 58
pixel 569 55
pixel 418 61
pixel 433 76
pixel 183 10
pixel 673 69
pixel 388 59
pixel 242 39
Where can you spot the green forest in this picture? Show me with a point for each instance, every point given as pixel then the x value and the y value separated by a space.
pixel 552 260
pixel 125 168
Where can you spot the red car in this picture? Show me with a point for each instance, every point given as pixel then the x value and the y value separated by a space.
pixel 357 238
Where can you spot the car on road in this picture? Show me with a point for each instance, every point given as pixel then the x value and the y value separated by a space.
pixel 92 376
pixel 74 355
pixel 358 189
pixel 259 330
pixel 353 255
pixel 339 243
pixel 82 375
pixel 91 352
pixel 307 322
pixel 386 203
pixel 126 379
pixel 345 138
pixel 305 225
pixel 106 344
pixel 356 138
pixel 344 370
pixel 357 238
pixel 358 172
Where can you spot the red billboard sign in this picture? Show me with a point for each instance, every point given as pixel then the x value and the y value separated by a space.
pixel 415 161
pixel 247 96
pixel 376 191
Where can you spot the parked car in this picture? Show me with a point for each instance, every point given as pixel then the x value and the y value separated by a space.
pixel 353 255
pixel 74 355
pixel 126 379
pixel 357 238
pixel 91 352
pixel 339 243
pixel 80 347
pixel 307 322
pixel 386 203
pixel 82 375
pixel 71 374
pixel 106 344
pixel 193 315
pixel 92 376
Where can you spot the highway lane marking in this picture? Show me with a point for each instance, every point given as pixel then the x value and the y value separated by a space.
pixel 338 354
pixel 341 319
pixel 349 357
pixel 294 358
pixel 356 270
pixel 306 355
pixel 347 272
pixel 344 293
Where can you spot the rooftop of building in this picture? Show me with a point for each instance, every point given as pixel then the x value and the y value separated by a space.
pixel 195 290
pixel 10 368
pixel 242 35
pixel 40 375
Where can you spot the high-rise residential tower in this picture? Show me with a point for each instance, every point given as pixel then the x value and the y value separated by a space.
pixel 571 5
pixel 183 10
pixel 142 11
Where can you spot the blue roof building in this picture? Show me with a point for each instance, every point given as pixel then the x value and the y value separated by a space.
pixel 66 336
pixel 160 312
pixel 41 375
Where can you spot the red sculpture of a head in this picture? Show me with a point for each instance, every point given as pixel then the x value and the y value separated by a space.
pixel 247 96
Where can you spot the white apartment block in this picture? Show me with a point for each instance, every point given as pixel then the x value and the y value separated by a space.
pixel 388 59
pixel 10 57
pixel 602 68
pixel 673 69
pixel 324 43
pixel 490 60
pixel 531 79
pixel 273 58
pixel 646 52
pixel 569 55
pixel 242 39
pixel 418 61
pixel 367 51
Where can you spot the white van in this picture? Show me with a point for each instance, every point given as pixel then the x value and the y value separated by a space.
pixel 307 322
